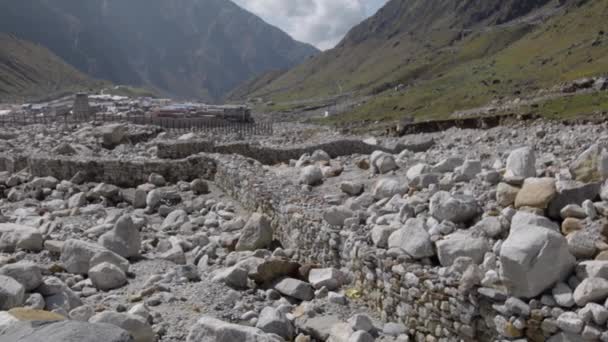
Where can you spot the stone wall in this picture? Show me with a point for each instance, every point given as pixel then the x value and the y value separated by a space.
pixel 270 156
pixel 126 173
pixel 426 299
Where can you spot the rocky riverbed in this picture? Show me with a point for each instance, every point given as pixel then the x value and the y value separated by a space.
pixel 467 235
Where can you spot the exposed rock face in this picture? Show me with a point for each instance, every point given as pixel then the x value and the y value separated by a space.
pixel 534 259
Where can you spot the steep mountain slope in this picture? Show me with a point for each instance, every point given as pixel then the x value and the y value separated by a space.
pixel 30 71
pixel 452 55
pixel 190 48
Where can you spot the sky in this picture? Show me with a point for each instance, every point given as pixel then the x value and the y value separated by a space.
pixel 322 23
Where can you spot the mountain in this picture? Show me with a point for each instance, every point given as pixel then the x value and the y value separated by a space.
pixel 429 58
pixel 187 48
pixel 30 71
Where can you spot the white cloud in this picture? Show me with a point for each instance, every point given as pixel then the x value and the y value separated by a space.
pixel 319 22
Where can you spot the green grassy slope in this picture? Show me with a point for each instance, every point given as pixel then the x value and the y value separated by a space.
pixel 28 71
pixel 450 62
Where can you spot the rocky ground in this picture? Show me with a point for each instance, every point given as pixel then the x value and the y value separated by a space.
pixel 488 235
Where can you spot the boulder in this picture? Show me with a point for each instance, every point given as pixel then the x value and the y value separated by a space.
pixel 380 235
pixel 78 200
pixel 235 277
pixel 571 192
pixel 27 274
pixel 506 194
pixel 522 218
pixel 536 193
pixel 208 329
pixel 521 163
pixel 106 276
pixel 469 169
pixel 591 290
pixel 64 331
pixel 256 234
pixel 124 239
pixel 139 329
pixel 40 183
pixel 459 245
pixel 413 239
pixel 199 187
pixel 383 162
pixel 12 293
pixel 330 278
pixel 295 288
pixel 589 166
pixel 274 321
pixel 417 170
pixel 311 175
pixel 534 259
pixel 16 236
pixel 352 188
pixel 76 255
pixel 457 209
pixel 271 269
pixel 389 187
pixel 109 257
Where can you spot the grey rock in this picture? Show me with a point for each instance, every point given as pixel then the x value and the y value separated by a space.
pixel 295 288
pixel 208 329
pixel 77 254
pixel 106 276
pixel 274 321
pixel 256 234
pixel 382 162
pixel 64 331
pixel 139 329
pixel 311 175
pixel 15 236
pixel 329 278
pixel 124 239
pixel 591 290
pixel 533 259
pixel 389 187
pixel 12 293
pixel 413 239
pixel 521 163
pixel 571 192
pixel 26 273
pixel 457 209
pixel 459 245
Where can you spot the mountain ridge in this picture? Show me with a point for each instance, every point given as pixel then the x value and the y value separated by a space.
pixel 191 48
pixel 446 56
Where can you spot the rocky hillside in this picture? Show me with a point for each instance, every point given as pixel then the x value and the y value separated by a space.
pixel 192 48
pixel 31 71
pixel 451 55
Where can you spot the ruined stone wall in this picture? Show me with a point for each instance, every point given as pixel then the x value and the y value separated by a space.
pixel 270 156
pixel 424 298
pixel 126 173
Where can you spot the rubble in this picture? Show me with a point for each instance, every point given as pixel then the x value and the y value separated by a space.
pixel 470 238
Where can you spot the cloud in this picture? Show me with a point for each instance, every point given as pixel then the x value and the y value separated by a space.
pixel 319 22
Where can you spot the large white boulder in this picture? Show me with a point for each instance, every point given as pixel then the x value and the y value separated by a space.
pixel 16 236
pixel 311 175
pixel 76 255
pixel 521 163
pixel 459 245
pixel 139 329
pixel 124 239
pixel 413 239
pixel 534 259
pixel 208 329
pixel 12 293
